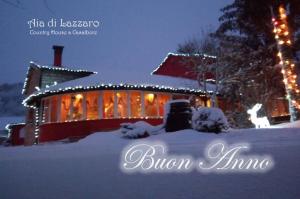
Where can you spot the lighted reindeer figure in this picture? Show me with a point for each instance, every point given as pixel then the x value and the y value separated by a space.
pixel 259 122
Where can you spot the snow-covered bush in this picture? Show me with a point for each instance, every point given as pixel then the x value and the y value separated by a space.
pixel 139 129
pixel 209 120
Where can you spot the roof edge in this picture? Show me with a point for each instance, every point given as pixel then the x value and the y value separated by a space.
pixel 27 101
pixel 54 68
pixel 182 55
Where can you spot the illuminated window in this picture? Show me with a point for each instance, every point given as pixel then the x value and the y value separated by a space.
pixel 199 102
pixel 278 107
pixel 135 104
pixel 77 107
pixel 92 112
pixel 208 102
pixel 65 111
pixel 162 100
pixel 45 113
pixel 122 104
pixel 108 104
pixel 151 106
pixel 53 105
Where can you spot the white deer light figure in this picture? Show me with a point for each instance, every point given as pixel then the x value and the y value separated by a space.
pixel 261 122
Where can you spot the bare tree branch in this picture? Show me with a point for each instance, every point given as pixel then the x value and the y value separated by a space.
pixel 15 4
pixel 48 8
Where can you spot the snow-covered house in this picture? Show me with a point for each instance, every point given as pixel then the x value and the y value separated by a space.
pixel 67 103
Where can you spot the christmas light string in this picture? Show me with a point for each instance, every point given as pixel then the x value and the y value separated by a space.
pixel 50 68
pixel 29 101
pixel 187 55
pixel 283 38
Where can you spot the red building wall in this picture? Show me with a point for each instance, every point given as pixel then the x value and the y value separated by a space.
pixel 15 134
pixel 79 129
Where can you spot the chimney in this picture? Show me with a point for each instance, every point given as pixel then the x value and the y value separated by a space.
pixel 57 55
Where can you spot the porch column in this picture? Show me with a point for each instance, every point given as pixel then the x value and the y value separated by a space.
pixel 84 116
pixel 71 109
pixel 128 104
pixel 143 104
pixel 58 108
pixel 157 104
pixel 115 104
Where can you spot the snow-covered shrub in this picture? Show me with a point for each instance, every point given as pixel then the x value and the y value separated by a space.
pixel 209 120
pixel 139 129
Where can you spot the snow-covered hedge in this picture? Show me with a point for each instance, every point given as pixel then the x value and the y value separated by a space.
pixel 209 120
pixel 203 119
pixel 139 129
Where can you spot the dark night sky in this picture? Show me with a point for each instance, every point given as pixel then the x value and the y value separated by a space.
pixel 134 37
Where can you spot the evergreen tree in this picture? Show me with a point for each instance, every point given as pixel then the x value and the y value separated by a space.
pixel 247 47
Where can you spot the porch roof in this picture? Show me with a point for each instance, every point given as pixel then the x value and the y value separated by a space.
pixel 97 82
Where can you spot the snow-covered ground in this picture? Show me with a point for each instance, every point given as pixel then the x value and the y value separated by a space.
pixel 90 168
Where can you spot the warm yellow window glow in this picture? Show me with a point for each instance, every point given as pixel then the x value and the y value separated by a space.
pixel 108 104
pixel 135 104
pixel 122 104
pixel 199 102
pixel 92 112
pixel 113 104
pixel 78 96
pixel 150 97
pixel 208 102
pixel 278 107
pixel 151 105
pixel 77 107
pixel 162 100
pixel 65 113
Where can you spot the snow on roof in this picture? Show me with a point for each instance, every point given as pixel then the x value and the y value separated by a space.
pixel 62 68
pixel 181 65
pixel 94 82
pixel 4 121
pixel 50 68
